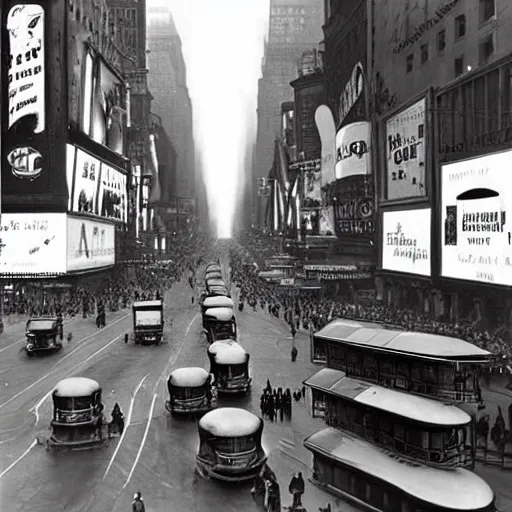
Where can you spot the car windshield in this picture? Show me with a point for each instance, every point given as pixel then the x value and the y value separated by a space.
pixel 40 325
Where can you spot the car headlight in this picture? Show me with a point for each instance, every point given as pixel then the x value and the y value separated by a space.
pixel 30 346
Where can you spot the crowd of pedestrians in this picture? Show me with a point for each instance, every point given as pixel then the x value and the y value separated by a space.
pixel 304 309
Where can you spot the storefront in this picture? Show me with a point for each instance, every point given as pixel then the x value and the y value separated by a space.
pixel 474 196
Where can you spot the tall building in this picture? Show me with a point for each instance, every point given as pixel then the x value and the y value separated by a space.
pixel 294 27
pixel 171 100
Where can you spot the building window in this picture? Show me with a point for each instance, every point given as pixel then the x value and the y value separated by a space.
pixel 424 53
pixel 441 41
pixel 410 62
pixel 459 66
pixel 487 10
pixel 485 49
pixel 460 26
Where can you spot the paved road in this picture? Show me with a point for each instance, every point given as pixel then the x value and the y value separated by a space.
pixel 157 453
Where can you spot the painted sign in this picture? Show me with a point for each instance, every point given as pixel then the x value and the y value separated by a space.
pixel 90 244
pixel 33 243
pixel 476 204
pixel 353 154
pixel 405 153
pixel 352 91
pixel 406 241
pixel 327 131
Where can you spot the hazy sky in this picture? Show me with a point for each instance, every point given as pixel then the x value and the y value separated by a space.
pixel 223 46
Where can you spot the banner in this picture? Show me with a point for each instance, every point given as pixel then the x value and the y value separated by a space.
pixel 406 241
pixel 327 131
pixel 86 179
pixel 353 154
pixel 33 243
pixel 91 244
pixel 405 153
pixel 112 200
pixel 476 205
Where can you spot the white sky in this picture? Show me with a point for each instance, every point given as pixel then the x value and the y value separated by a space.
pixel 223 46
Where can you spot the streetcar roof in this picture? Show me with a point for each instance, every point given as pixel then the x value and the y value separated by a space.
pixel 222 314
pixel 148 304
pixel 227 352
pixel 415 343
pixel 456 489
pixel 192 377
pixel 76 387
pixel 230 422
pixel 413 407
pixel 215 281
pixel 213 274
pixel 213 264
pixel 218 301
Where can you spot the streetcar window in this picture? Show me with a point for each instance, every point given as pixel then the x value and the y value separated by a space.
pixel 341 479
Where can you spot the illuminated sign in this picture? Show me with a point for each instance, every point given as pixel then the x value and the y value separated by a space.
pixel 405 153
pixel 476 203
pixel 90 244
pixel 406 241
pixel 33 243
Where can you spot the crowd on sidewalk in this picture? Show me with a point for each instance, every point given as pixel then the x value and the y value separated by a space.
pixel 305 310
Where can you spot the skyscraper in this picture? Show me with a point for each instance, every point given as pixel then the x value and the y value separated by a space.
pixel 294 27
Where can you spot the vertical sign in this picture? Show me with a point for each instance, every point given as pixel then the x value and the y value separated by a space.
pixel 405 153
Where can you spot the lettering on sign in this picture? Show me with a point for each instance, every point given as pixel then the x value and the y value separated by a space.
pixel 425 27
pixel 490 139
pixel 354 217
pixel 404 246
pixel 351 92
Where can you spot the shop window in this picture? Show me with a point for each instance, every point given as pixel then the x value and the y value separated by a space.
pixel 441 41
pixel 409 62
pixel 486 49
pixel 487 10
pixel 424 53
pixel 460 26
pixel 459 66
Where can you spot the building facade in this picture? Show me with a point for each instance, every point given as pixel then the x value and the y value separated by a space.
pixel 294 27
pixel 168 84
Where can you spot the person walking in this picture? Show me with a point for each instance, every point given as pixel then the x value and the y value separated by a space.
pixel 138 503
pixel 296 489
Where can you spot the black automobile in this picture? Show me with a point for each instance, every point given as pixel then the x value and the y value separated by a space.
pixel 43 334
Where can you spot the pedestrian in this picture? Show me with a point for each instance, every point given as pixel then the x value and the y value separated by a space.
pixel 296 489
pixel 294 354
pixel 138 503
pixel 192 300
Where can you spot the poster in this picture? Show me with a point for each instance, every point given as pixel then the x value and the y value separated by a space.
pixel 86 178
pixel 406 241
pixel 476 206
pixel 405 153
pixel 33 243
pixel 353 155
pixel 112 198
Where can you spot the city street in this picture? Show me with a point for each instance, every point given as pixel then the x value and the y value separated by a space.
pixel 157 453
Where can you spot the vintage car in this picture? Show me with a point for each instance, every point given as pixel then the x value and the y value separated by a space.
pixel 78 420
pixel 229 363
pixel 148 322
pixel 219 324
pixel 43 334
pixel 191 390
pixel 230 446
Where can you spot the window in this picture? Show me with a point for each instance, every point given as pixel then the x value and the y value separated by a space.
pixel 487 10
pixel 459 66
pixel 410 61
pixel 485 49
pixel 441 41
pixel 424 53
pixel 460 26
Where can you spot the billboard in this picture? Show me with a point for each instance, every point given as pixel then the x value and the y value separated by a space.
pixel 33 243
pixel 405 153
pixel 476 207
pixel 112 197
pixel 353 155
pixel 354 216
pixel 86 175
pixel 90 244
pixel 406 241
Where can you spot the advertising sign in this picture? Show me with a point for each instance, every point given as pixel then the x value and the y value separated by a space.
pixel 406 241
pixel 86 180
pixel 476 205
pixel 352 91
pixel 353 155
pixel 90 244
pixel 405 153
pixel 354 216
pixel 327 221
pixel 327 131
pixel 112 200
pixel 33 243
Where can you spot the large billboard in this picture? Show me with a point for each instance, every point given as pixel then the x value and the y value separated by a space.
pixel 33 243
pixel 90 244
pixel 405 153
pixel 476 203
pixel 406 241
pixel 353 156
pixel 95 188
